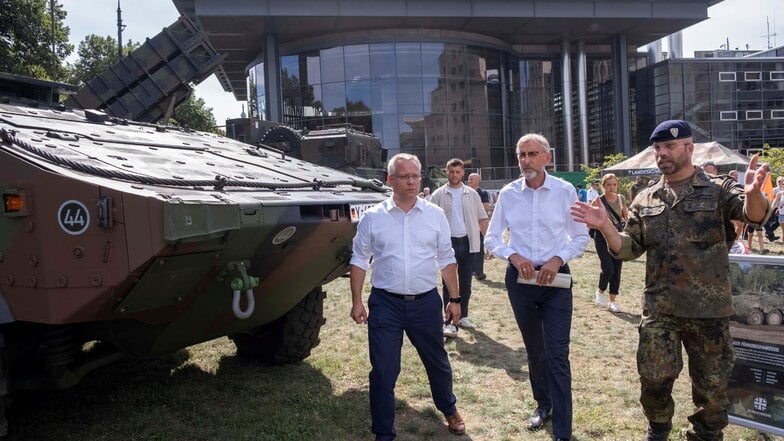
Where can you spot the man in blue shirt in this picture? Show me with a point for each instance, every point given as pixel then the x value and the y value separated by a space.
pixel 582 193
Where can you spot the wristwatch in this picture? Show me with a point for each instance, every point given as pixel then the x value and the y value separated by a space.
pixel 455 300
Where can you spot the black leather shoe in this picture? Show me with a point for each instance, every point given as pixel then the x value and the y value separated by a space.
pixel 538 418
pixel 658 431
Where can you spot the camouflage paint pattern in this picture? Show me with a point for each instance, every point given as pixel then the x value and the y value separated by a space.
pixel 688 299
pixel 687 245
pixel 659 362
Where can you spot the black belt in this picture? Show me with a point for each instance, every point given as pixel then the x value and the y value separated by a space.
pixel 460 239
pixel 406 297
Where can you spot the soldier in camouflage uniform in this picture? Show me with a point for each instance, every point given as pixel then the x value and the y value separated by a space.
pixel 684 224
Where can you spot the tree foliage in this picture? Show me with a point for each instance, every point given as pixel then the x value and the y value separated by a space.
pixel 26 39
pixel 96 55
pixel 774 157
pixel 595 173
pixel 194 113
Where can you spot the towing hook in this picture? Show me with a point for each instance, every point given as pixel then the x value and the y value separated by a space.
pixel 235 304
pixel 239 283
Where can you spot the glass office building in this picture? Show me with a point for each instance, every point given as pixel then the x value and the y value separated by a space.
pixel 437 100
pixel 445 78
pixel 738 102
pixel 433 99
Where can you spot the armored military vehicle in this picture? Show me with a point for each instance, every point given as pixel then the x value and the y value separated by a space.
pixel 136 239
pixel 343 147
pixel 759 309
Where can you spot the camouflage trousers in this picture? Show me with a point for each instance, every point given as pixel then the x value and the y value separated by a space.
pixel 659 362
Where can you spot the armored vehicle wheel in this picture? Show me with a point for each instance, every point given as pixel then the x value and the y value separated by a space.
pixel 755 317
pixel 286 135
pixel 288 339
pixel 773 317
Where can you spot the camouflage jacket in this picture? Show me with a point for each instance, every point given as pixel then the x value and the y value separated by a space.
pixel 687 268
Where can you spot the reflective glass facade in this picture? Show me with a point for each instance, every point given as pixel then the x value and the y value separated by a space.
pixel 435 100
pixel 736 102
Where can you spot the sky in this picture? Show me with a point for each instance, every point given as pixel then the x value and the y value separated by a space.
pixel 742 22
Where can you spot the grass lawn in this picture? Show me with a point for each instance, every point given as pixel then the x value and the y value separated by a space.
pixel 206 393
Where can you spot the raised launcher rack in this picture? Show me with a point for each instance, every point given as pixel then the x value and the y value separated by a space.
pixel 149 82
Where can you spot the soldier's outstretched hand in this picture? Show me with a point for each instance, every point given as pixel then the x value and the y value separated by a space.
pixel 755 176
pixel 592 216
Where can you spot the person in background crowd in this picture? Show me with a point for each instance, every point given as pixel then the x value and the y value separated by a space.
pixel 740 227
pixel 543 238
pixel 638 185
pixel 682 223
pixel 408 240
pixel 610 266
pixel 479 258
pixel 467 221
pixel 582 193
pixel 710 167
pixel 426 192
pixel 593 193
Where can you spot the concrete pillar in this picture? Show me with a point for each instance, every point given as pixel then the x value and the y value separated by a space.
pixel 506 87
pixel 655 52
pixel 622 109
pixel 582 99
pixel 675 41
pixel 273 95
pixel 566 98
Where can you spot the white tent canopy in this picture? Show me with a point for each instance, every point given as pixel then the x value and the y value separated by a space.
pixel 644 163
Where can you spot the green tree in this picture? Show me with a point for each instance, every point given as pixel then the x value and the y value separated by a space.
pixel 194 113
pixel 595 173
pixel 26 39
pixel 96 55
pixel 774 157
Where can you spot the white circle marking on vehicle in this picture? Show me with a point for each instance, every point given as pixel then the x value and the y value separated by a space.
pixel 284 235
pixel 73 217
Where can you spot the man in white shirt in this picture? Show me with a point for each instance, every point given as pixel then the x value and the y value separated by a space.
pixel 408 239
pixel 543 238
pixel 593 192
pixel 467 222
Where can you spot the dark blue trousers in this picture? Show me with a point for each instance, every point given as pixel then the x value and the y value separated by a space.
pixel 479 258
pixel 421 319
pixel 465 271
pixel 544 316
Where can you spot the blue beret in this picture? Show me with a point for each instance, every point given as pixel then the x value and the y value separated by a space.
pixel 669 130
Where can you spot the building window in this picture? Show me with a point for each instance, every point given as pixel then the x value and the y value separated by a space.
pixel 729 116
pixel 726 76
pixel 777 75
pixel 777 114
pixel 753 76
pixel 753 114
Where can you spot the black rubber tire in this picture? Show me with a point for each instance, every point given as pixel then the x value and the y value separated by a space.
pixel 283 134
pixel 755 317
pixel 773 318
pixel 288 339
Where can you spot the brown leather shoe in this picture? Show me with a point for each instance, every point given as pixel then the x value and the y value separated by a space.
pixel 455 424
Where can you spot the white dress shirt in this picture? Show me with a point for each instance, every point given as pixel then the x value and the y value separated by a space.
pixel 408 249
pixel 539 222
